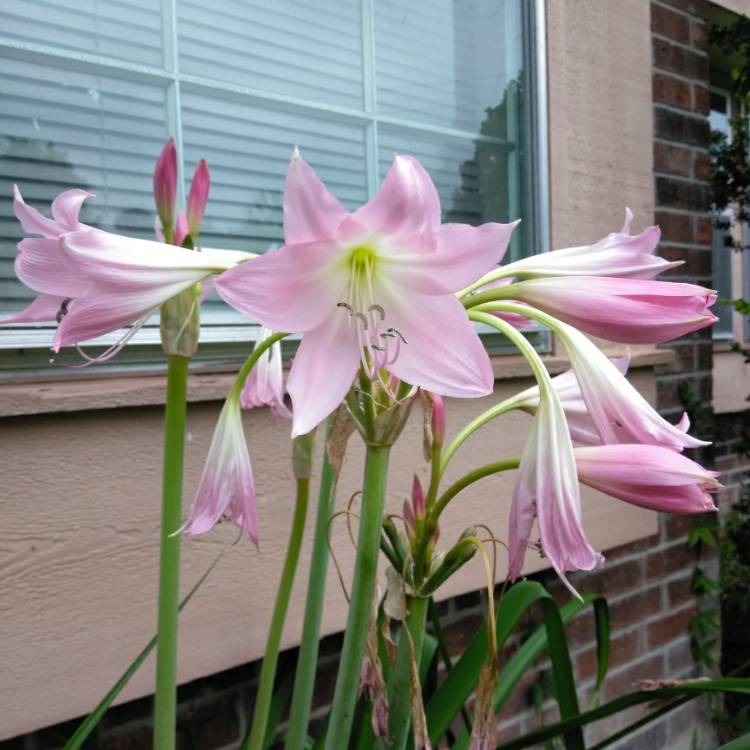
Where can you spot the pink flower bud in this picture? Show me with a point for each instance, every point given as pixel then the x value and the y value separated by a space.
pixel 417 498
pixel 438 420
pixel 165 184
pixel 197 198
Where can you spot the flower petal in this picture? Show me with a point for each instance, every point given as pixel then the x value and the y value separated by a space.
pixel 292 289
pixel 44 308
pixel 440 351
pixel 407 203
pixel 66 208
pixel 31 220
pixel 311 213
pixel 42 265
pixel 323 371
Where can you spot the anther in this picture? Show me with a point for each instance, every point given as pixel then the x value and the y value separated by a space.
pixel 378 309
pixel 63 311
pixel 346 306
pixel 362 317
pixel 396 332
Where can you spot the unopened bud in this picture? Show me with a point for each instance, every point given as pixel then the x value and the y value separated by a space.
pixel 438 421
pixel 197 198
pixel 456 557
pixel 417 498
pixel 165 185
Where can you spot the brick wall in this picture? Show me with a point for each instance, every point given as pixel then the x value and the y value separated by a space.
pixel 648 583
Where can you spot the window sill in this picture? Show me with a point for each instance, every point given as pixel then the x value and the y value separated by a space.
pixel 45 397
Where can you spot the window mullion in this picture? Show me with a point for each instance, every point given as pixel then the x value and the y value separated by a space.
pixel 369 95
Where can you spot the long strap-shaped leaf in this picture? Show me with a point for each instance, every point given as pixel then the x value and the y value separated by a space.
pixel 462 680
pixel 89 723
pixel 692 688
pixel 741 743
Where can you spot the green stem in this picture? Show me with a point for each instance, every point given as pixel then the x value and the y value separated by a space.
pixel 271 656
pixel 473 476
pixel 363 589
pixel 400 690
pixel 165 700
pixel 304 679
pixel 249 363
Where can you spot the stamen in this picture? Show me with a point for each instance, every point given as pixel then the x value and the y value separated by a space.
pixel 63 311
pixel 378 309
pixel 396 332
pixel 362 317
pixel 346 306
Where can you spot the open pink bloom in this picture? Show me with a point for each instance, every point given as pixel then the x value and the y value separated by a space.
pixel 265 383
pixel 226 490
pixel 619 254
pixel 375 287
pixel 40 263
pixel 648 476
pixel 632 311
pixel 547 490
pixel 123 280
pixel 580 424
pixel 618 412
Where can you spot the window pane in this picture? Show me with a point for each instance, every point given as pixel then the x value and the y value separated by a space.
pixel 302 49
pixel 446 61
pixel 126 29
pixel 60 129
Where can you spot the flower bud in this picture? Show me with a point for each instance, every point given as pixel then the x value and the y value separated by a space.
pixel 165 185
pixel 180 322
pixel 197 198
pixel 417 498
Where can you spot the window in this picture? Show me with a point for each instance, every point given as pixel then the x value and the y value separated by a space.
pixel 92 90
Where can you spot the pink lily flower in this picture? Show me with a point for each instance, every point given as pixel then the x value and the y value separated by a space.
pixel 632 311
pixel 648 476
pixel 619 254
pixel 547 490
pixel 226 489
pixel 618 412
pixel 580 424
pixel 265 383
pixel 40 263
pixel 372 288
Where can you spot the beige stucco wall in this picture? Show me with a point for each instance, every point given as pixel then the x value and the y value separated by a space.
pixel 78 542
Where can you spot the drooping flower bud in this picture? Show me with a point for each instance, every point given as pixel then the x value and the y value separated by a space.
pixel 165 185
pixel 197 198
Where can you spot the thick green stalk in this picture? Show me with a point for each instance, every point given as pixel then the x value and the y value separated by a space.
pixel 400 690
pixel 271 656
pixel 165 701
pixel 304 679
pixel 363 589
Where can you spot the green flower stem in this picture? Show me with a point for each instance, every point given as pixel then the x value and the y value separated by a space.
pixel 473 476
pixel 249 363
pixel 304 678
pixel 363 589
pixel 271 656
pixel 400 690
pixel 165 700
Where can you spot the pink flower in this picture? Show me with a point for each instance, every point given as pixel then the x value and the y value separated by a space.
pixel 648 476
pixel 633 311
pixel 618 254
pixel 547 490
pixel 375 288
pixel 618 412
pixel 197 198
pixel 265 383
pixel 165 184
pixel 226 489
pixel 122 280
pixel 40 263
pixel 580 424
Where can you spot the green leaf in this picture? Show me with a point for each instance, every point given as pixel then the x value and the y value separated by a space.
pixel 89 723
pixel 741 743
pixel 692 688
pixel 279 702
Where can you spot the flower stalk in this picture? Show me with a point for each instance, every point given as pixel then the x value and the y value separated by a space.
pixel 363 588
pixel 165 701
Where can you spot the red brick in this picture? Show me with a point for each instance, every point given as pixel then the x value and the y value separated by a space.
pixel 667 561
pixel 684 62
pixel 698 8
pixel 671 90
pixel 630 548
pixel 704 359
pixel 701 99
pixel 701 165
pixel 675 227
pixel 703 230
pixel 672 159
pixel 458 634
pixel 697 262
pixel 685 194
pixel 667 394
pixel 698 34
pixel 670 627
pixel 669 23
pixel 682 127
pixel 680 658
pixel 622 649
pixel 677 526
pixel 684 359
pixel 625 680
pixel 635 608
pixel 680 591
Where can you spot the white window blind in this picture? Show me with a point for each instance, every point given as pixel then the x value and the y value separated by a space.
pixel 91 91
